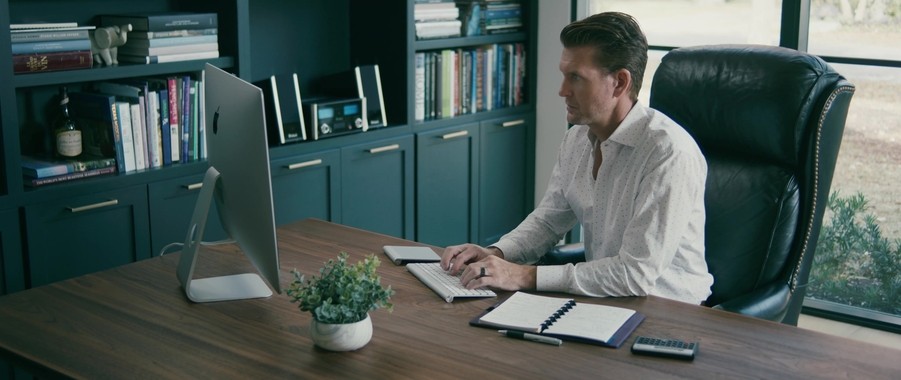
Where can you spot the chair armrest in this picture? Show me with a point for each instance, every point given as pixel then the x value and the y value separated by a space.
pixel 564 254
pixel 770 302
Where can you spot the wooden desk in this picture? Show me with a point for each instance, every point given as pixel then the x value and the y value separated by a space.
pixel 135 322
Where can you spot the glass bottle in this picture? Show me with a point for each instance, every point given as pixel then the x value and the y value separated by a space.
pixel 67 133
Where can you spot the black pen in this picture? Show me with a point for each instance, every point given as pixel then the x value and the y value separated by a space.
pixel 531 337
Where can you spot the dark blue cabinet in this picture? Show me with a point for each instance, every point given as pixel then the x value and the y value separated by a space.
pixel 11 269
pixel 307 186
pixel 377 186
pixel 85 234
pixel 506 175
pixel 171 208
pixel 447 193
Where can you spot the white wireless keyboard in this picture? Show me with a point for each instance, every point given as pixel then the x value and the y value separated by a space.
pixel 445 285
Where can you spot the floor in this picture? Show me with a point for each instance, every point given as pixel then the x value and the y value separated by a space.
pixel 827 326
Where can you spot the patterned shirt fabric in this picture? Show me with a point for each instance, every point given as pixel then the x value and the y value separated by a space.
pixel 643 218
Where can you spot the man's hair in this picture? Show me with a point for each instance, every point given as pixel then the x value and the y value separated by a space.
pixel 618 41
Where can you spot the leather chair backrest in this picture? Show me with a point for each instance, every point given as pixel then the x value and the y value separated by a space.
pixel 769 125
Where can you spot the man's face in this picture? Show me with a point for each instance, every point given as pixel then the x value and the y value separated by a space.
pixel 587 89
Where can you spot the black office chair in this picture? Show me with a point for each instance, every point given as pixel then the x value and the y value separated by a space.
pixel 769 121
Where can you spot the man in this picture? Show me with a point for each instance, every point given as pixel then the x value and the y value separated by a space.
pixel 631 176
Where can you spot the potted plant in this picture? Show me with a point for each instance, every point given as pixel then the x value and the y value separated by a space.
pixel 340 300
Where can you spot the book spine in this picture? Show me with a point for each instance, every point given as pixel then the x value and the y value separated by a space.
pixel 137 134
pixel 419 83
pixel 125 130
pixel 149 59
pixel 175 41
pixel 195 118
pixel 51 46
pixel 48 35
pixel 185 117
pixel 155 140
pixel 164 22
pixel 117 138
pixel 35 63
pixel 166 139
pixel 174 135
pixel 150 35
pixel 162 50
pixel 71 176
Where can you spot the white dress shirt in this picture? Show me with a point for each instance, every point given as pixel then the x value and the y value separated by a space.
pixel 643 218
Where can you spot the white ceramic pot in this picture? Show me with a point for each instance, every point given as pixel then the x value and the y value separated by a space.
pixel 341 337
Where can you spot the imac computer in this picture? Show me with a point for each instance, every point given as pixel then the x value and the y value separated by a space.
pixel 238 180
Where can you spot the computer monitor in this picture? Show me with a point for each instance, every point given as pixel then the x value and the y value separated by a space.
pixel 238 180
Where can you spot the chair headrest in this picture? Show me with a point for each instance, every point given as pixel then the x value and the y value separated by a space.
pixel 748 100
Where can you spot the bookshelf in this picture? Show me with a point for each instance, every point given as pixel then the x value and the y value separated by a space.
pixel 394 180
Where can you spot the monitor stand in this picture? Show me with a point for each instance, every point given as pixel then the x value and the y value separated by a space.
pixel 212 289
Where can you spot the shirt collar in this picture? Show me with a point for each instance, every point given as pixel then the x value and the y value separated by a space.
pixel 630 131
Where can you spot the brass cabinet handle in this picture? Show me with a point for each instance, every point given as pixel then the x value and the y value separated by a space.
pixel 111 202
pixel 304 164
pixel 194 186
pixel 385 148
pixel 454 135
pixel 513 123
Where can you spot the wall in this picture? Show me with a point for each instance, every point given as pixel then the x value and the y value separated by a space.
pixel 550 111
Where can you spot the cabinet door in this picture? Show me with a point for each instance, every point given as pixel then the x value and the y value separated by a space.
pixel 447 185
pixel 12 277
pixel 505 176
pixel 307 187
pixel 85 234
pixel 171 208
pixel 377 186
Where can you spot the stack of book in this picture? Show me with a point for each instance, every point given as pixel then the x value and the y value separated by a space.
pixel 453 82
pixel 167 37
pixel 436 19
pixel 149 122
pixel 42 47
pixel 39 171
pixel 481 17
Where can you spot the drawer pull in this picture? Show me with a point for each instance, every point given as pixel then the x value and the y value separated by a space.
pixel 385 148
pixel 304 164
pixel 194 186
pixel 512 123
pixel 455 135
pixel 111 202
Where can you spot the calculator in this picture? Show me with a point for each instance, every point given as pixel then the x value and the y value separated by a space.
pixel 670 348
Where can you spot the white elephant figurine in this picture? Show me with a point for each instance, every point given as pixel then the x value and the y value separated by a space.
pixel 105 42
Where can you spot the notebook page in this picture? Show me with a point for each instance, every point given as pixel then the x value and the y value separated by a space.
pixel 524 311
pixel 597 322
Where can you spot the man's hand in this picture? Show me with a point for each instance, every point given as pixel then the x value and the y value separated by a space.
pixel 480 267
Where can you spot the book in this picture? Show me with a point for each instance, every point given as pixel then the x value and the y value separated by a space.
pixel 163 58
pixel 43 25
pixel 159 42
pixel 34 182
pixel 51 46
pixel 165 138
pixel 162 21
pixel 35 35
pixel 46 62
pixel 149 35
pixel 400 255
pixel 123 111
pixel 562 318
pixel 35 167
pixel 175 49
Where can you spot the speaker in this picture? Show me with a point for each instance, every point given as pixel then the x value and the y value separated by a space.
pixel 284 109
pixel 362 82
pixel 369 86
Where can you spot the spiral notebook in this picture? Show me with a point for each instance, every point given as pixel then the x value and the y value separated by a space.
pixel 562 318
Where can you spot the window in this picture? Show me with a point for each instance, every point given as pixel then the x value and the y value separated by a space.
pixel 858 281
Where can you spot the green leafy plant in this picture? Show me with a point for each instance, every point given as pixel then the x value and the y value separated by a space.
pixel 342 293
pixel 854 264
